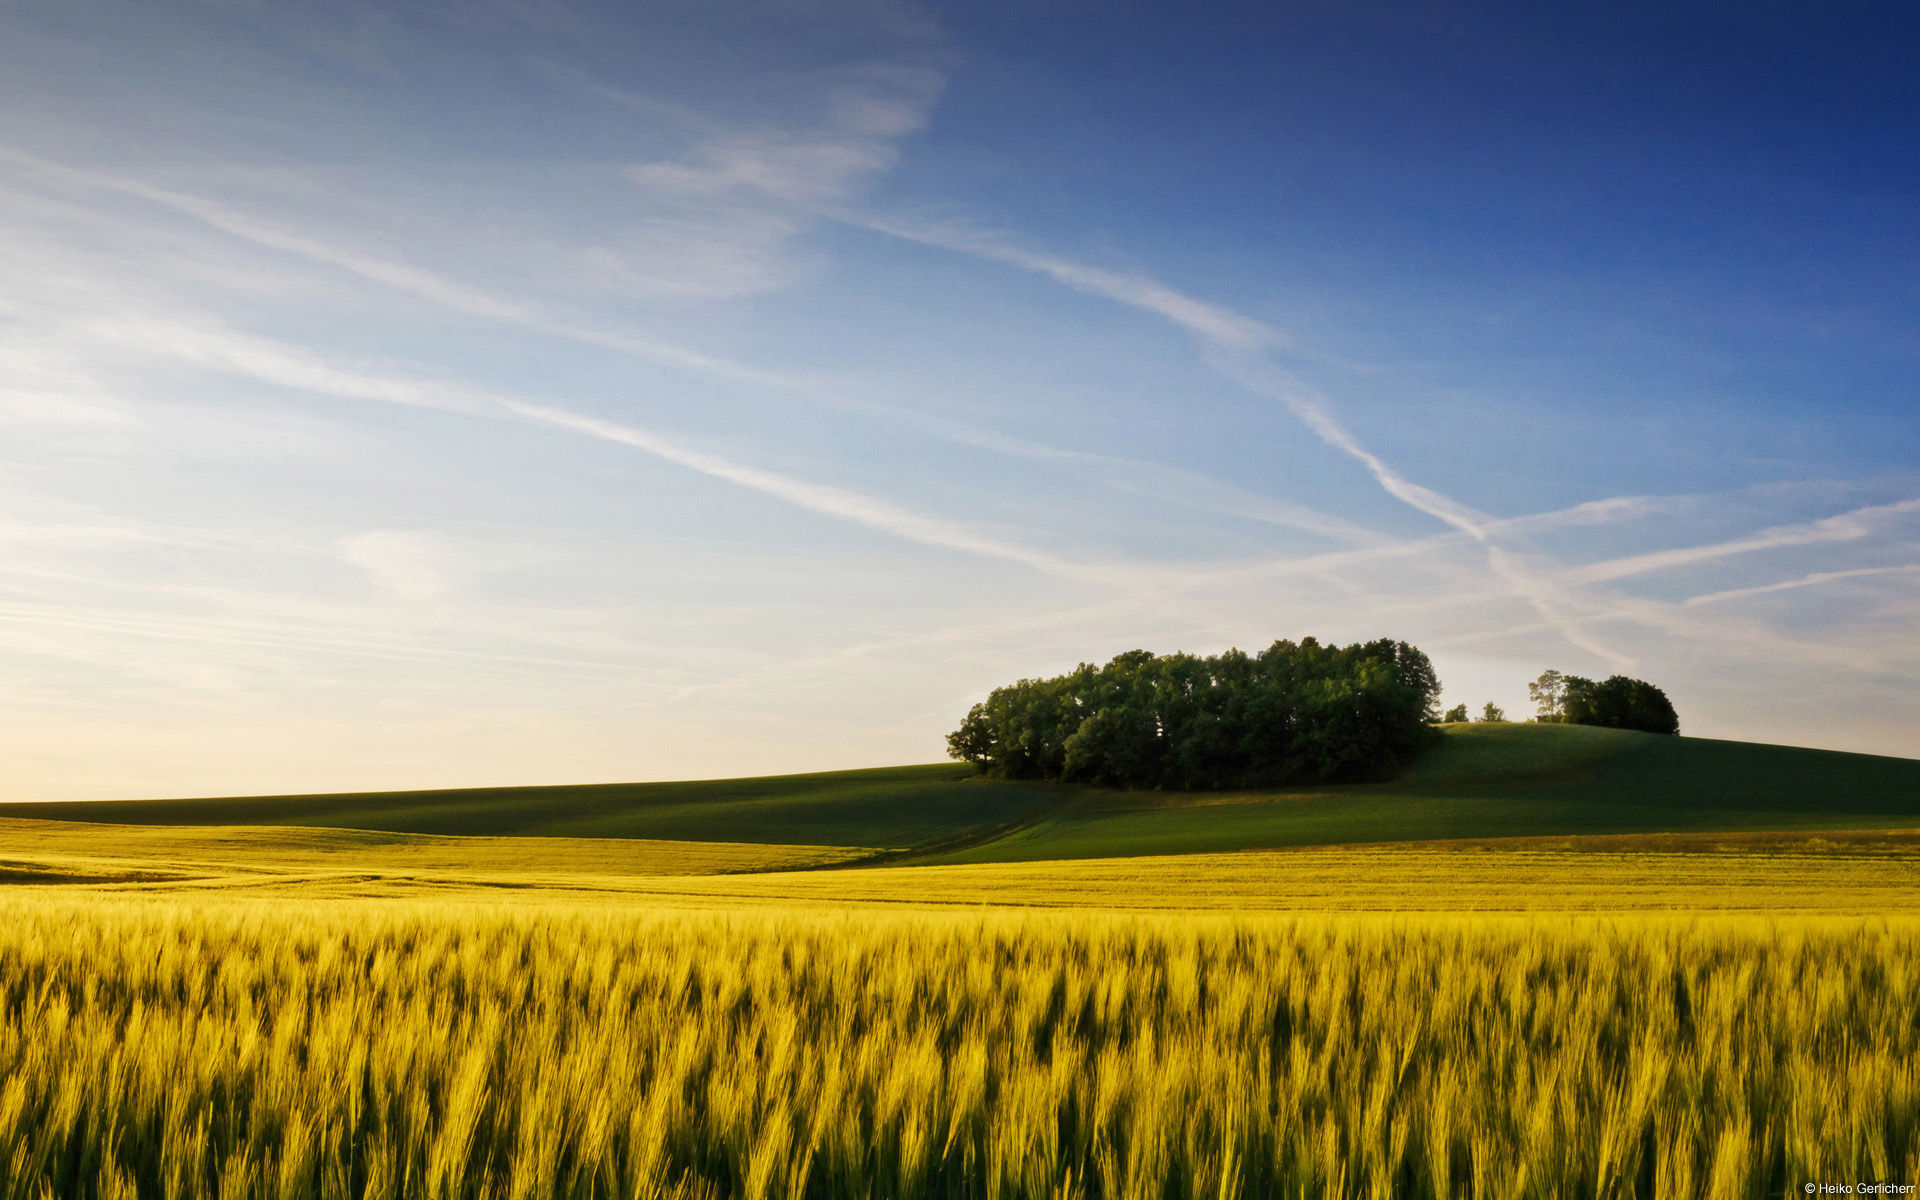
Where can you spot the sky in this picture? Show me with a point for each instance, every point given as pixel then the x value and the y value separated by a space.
pixel 528 391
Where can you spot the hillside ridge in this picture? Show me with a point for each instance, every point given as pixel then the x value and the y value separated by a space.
pixel 1481 780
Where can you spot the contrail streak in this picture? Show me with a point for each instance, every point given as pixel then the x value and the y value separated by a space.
pixel 1234 346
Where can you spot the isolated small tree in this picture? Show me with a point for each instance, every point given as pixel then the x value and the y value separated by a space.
pixel 1548 694
pixel 1457 713
pixel 1493 712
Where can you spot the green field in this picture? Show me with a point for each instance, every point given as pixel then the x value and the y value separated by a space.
pixel 1496 817
pixel 887 808
pixel 1546 961
pixel 1506 780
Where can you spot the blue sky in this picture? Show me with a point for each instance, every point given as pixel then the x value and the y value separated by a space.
pixel 526 391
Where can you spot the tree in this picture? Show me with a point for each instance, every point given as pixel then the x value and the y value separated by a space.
pixel 1576 700
pixel 1415 670
pixel 1305 712
pixel 1548 694
pixel 1618 702
pixel 1455 715
pixel 1493 712
pixel 973 741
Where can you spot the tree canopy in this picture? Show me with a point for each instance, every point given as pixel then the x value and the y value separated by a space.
pixel 1549 695
pixel 1615 702
pixel 1293 712
pixel 1618 703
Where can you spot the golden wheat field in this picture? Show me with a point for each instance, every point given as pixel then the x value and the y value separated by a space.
pixel 209 1046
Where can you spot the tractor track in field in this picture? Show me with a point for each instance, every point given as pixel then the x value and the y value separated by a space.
pixel 1058 799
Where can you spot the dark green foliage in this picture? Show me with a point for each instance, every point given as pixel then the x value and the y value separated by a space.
pixel 1456 715
pixel 1549 695
pixel 1493 712
pixel 1617 702
pixel 1292 712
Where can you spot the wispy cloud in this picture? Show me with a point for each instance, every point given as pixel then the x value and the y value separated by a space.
pixel 1145 477
pixel 1261 377
pixel 1845 527
pixel 827 500
pixel 719 216
pixel 295 367
pixel 1210 322
pixel 416 565
pixel 1222 334
pixel 1238 348
pixel 1235 346
pixel 1609 511
pixel 214 347
pixel 1684 632
pixel 306 640
pixel 407 278
pixel 43 390
pixel 782 177
pixel 509 421
pixel 1552 601
pixel 1809 580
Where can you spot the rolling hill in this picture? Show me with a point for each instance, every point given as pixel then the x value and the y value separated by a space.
pixel 888 808
pixel 1481 781
pixel 1489 781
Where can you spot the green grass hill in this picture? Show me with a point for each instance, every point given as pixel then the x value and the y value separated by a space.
pixel 1502 780
pixel 886 808
pixel 1499 780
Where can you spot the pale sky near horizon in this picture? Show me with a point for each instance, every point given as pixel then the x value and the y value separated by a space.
pixel 530 391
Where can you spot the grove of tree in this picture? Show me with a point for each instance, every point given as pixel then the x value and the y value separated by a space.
pixel 1293 712
pixel 1615 702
